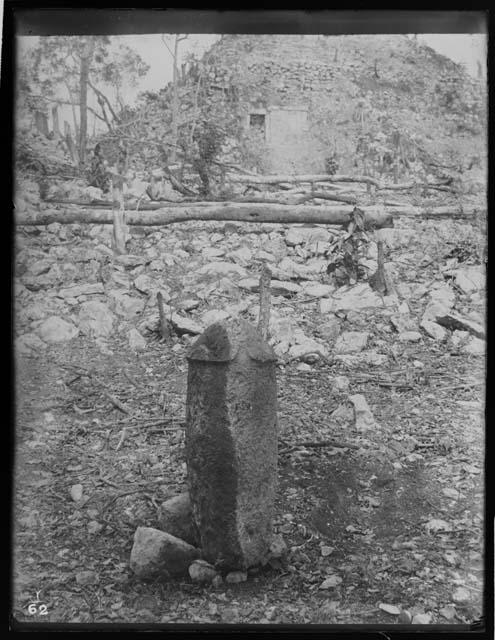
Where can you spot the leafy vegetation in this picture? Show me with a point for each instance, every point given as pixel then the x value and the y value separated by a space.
pixel 347 252
pixel 63 69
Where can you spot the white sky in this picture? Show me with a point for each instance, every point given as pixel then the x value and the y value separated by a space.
pixel 462 48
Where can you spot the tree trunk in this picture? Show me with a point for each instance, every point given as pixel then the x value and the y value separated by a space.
pixel 86 58
pixel 70 143
pixel 41 122
pixel 175 101
pixel 72 102
pixel 323 177
pixel 368 180
pixel 120 229
pixel 279 214
pixel 264 315
pixel 102 100
pixel 259 213
pixel 56 126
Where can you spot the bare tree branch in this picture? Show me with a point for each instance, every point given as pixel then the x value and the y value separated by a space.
pixel 108 103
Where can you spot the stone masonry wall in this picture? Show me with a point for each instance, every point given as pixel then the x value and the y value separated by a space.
pixel 329 75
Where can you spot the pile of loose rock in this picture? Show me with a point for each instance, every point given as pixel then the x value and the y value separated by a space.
pixel 69 283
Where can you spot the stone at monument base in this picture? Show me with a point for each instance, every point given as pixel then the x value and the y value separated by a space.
pixel 231 443
pixel 175 517
pixel 157 554
pixel 202 571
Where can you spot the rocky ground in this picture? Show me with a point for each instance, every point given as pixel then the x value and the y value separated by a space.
pixel 383 520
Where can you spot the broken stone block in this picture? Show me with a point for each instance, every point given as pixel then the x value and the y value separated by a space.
pixel 307 349
pixel 302 366
pixel 459 337
pixel 46 280
pixel 316 267
pixel 343 414
pixel 395 238
pixel 475 347
pixel 409 336
pixel 175 517
pixel 317 289
pixel 329 329
pixel 185 325
pixel 443 295
pixel 340 383
pixel 214 315
pixel 81 290
pixel 434 330
pixel 249 284
pixel 231 443
pixel 242 256
pixel 202 571
pixel 470 279
pixel 29 344
pixel 434 309
pixel 300 235
pixel 136 340
pixel 278 547
pixel 188 304
pixel 146 284
pixel 96 319
pixel 279 288
pixel 360 296
pixel 370 358
pixel 212 252
pixel 351 342
pixel 39 267
pixel 281 348
pixel 277 245
pixel 475 316
pixel 403 322
pixel 130 261
pixel 125 305
pixel 453 320
pixel 235 577
pixel 295 236
pixel 157 554
pixel 288 268
pixel 265 255
pixel 55 330
pixel 284 329
pixel 157 265
pixel 222 268
pixel 362 413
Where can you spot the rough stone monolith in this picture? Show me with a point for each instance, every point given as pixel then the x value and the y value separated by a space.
pixel 231 443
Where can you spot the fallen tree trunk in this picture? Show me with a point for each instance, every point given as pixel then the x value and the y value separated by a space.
pixel 421 185
pixel 274 179
pixel 130 204
pixel 322 177
pixel 452 212
pixel 263 213
pixel 243 208
pixel 321 195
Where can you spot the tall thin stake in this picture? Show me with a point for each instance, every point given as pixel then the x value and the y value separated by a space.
pixel 264 317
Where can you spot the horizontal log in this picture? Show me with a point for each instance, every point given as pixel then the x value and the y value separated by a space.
pixel 411 185
pixel 321 195
pixel 445 211
pixel 129 204
pixel 288 179
pixel 262 213
pixel 321 177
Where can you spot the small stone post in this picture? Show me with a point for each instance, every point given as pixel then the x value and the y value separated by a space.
pixel 231 443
